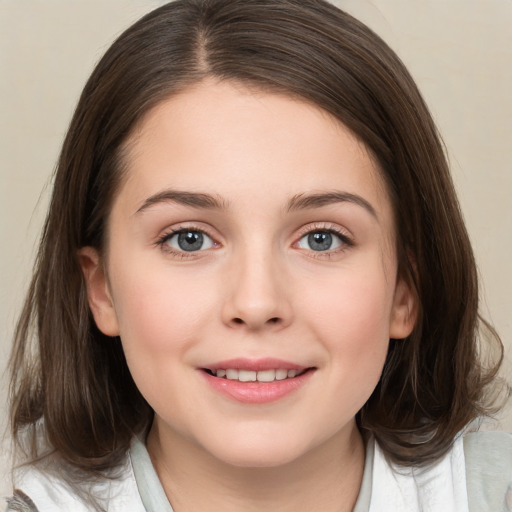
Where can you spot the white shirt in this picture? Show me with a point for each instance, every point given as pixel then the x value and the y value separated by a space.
pixel 480 464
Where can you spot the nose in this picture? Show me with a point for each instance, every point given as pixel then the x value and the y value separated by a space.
pixel 257 297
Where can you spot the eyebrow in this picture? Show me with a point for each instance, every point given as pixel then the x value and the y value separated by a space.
pixel 298 202
pixel 317 200
pixel 194 199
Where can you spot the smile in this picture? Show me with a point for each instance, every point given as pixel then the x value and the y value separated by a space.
pixel 270 375
pixel 258 381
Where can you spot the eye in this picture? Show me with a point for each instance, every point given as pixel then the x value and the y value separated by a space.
pixel 188 240
pixel 322 240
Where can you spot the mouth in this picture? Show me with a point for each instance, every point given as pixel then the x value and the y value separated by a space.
pixel 257 381
pixel 269 375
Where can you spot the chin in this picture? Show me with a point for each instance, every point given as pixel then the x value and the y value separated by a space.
pixel 259 453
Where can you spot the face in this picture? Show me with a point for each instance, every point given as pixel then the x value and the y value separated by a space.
pixel 250 273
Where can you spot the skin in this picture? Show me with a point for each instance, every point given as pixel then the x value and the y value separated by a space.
pixel 258 289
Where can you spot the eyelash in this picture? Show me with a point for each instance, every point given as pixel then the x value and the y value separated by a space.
pixel 165 237
pixel 345 240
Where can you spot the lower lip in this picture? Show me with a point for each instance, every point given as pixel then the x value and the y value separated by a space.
pixel 257 392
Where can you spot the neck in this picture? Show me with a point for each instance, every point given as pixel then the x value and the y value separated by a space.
pixel 326 478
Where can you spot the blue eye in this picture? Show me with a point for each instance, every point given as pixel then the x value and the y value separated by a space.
pixel 320 241
pixel 189 240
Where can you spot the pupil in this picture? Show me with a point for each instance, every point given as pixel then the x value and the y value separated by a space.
pixel 320 241
pixel 190 241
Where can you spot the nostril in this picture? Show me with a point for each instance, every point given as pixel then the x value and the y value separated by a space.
pixel 273 320
pixel 255 318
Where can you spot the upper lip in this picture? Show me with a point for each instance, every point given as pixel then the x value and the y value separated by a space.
pixel 267 363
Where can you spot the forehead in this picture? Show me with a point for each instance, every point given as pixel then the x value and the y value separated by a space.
pixel 240 141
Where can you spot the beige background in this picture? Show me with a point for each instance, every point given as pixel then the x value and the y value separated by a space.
pixel 459 51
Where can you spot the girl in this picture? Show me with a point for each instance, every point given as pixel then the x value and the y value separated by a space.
pixel 254 288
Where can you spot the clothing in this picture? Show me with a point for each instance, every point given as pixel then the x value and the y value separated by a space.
pixel 474 476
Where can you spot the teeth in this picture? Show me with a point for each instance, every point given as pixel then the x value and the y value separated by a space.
pixel 266 376
pixel 246 376
pixel 232 374
pixel 253 376
pixel 281 374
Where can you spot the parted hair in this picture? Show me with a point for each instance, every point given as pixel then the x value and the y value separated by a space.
pixel 72 380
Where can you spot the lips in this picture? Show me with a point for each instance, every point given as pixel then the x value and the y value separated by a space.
pixel 256 381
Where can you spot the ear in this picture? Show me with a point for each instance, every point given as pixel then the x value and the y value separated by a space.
pixel 98 293
pixel 405 310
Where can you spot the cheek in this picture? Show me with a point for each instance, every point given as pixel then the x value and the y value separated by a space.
pixel 161 317
pixel 351 319
pixel 159 310
pixel 352 308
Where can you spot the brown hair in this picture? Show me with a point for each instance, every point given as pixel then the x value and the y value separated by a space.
pixel 76 379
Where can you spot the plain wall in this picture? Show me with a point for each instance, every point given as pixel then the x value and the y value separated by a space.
pixel 460 53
